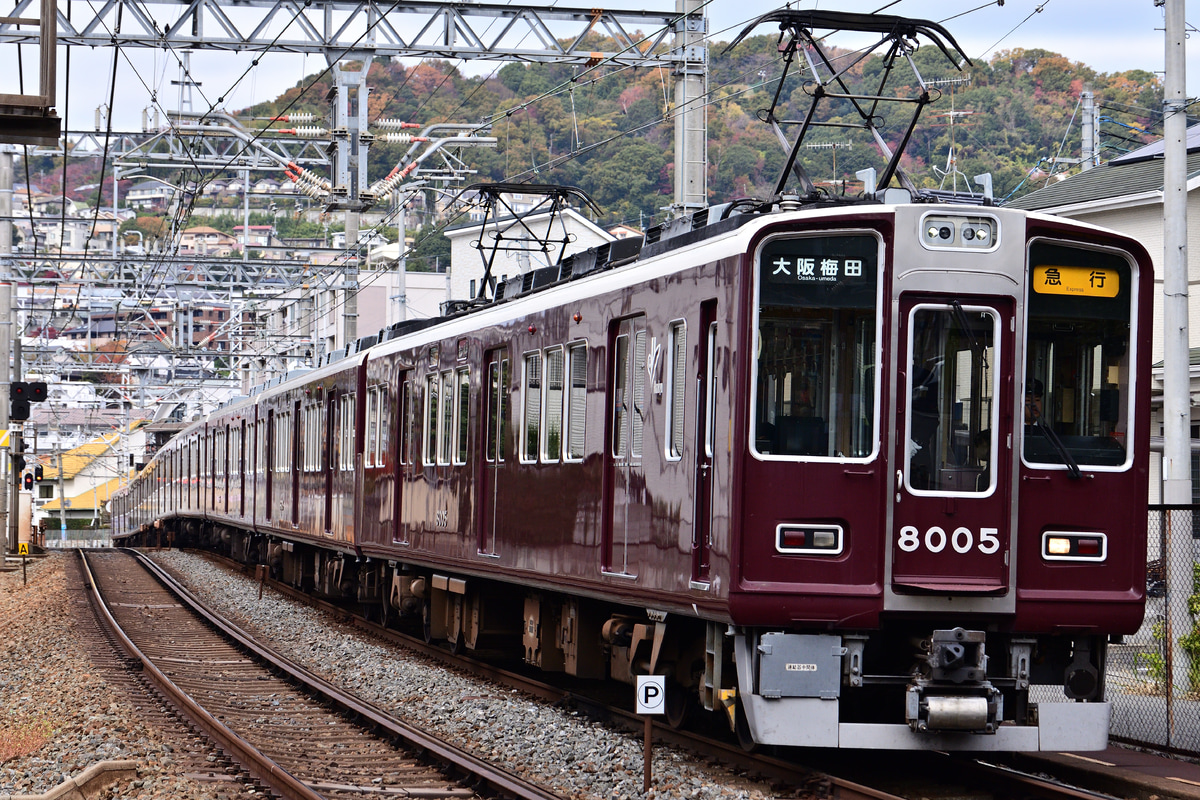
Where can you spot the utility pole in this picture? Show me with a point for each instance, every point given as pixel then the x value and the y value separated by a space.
pixel 1177 461
pixel 62 494
pixel 18 445
pixel 6 316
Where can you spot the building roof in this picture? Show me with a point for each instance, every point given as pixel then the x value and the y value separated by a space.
pixel 1136 173
pixel 77 459
pixel 204 229
pixel 89 500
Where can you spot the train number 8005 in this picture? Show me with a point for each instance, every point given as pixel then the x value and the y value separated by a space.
pixel 961 539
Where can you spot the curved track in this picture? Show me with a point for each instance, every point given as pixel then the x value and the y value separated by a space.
pixel 288 729
pixel 830 775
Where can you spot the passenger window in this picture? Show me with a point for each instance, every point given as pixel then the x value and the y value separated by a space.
pixel 533 407
pixel 576 401
pixel 429 446
pixel 372 426
pixel 552 431
pixel 464 400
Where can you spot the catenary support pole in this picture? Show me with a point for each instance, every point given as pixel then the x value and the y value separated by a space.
pixel 1177 463
pixel 691 155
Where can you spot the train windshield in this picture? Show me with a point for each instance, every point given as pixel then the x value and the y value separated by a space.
pixel 814 385
pixel 1077 357
pixel 951 398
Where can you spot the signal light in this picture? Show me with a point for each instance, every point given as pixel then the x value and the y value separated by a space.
pixel 37 473
pixel 21 395
pixel 18 463
pixel 28 482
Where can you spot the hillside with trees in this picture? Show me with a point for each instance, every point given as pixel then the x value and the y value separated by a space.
pixel 609 130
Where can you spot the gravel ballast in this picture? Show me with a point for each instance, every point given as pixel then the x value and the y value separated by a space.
pixel 57 715
pixel 50 691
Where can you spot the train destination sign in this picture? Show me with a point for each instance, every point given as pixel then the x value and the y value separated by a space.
pixel 1078 281
pixel 804 269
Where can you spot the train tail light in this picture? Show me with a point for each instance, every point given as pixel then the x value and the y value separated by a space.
pixel 1072 546
pixel 826 540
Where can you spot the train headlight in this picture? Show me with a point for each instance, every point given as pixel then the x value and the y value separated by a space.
pixel 959 232
pixel 1074 546
pixel 823 540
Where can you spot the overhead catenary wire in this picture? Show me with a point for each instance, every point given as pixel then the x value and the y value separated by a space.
pixel 567 86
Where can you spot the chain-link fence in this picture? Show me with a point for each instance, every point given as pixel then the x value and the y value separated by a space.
pixel 1143 667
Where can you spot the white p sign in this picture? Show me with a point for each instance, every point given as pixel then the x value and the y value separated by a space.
pixel 651 694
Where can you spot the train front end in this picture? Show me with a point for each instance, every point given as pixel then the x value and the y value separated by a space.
pixel 940 503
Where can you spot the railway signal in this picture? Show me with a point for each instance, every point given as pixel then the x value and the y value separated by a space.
pixel 28 482
pixel 22 394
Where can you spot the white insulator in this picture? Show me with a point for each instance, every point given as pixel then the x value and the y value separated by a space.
pixel 309 131
pixel 395 124
pixel 308 177
pixel 303 116
pixel 397 138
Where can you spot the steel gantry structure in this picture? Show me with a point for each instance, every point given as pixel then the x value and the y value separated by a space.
pixel 345 28
pixel 349 34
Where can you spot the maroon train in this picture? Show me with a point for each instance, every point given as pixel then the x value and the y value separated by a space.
pixel 865 475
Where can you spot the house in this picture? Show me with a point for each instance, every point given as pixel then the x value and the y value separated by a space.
pixel 149 195
pixel 625 232
pixel 259 235
pixel 205 241
pixel 89 474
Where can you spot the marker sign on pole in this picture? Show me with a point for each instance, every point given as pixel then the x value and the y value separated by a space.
pixel 651 694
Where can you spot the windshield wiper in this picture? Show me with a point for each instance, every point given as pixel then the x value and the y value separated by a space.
pixel 1072 466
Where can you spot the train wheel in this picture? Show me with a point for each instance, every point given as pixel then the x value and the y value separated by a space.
pixel 386 613
pixel 680 703
pixel 741 728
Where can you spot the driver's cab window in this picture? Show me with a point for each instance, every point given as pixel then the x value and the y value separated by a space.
pixel 1078 369
pixel 816 347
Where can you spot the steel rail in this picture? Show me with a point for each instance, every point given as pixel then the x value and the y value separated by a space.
pixel 494 778
pixel 833 787
pixel 258 764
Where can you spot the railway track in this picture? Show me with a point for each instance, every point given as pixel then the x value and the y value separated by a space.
pixel 838 775
pixel 286 729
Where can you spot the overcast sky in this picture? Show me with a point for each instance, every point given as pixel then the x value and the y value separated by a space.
pixel 1108 35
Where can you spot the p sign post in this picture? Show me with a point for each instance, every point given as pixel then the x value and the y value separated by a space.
pixel 651 699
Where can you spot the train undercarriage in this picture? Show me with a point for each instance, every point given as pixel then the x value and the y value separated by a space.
pixel 909 685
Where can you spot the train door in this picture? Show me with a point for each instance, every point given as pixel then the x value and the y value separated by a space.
pixel 326 456
pixel 404 453
pixel 495 416
pixel 706 386
pixel 951 519
pixel 242 461
pixel 623 452
pixel 296 462
pixel 269 466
